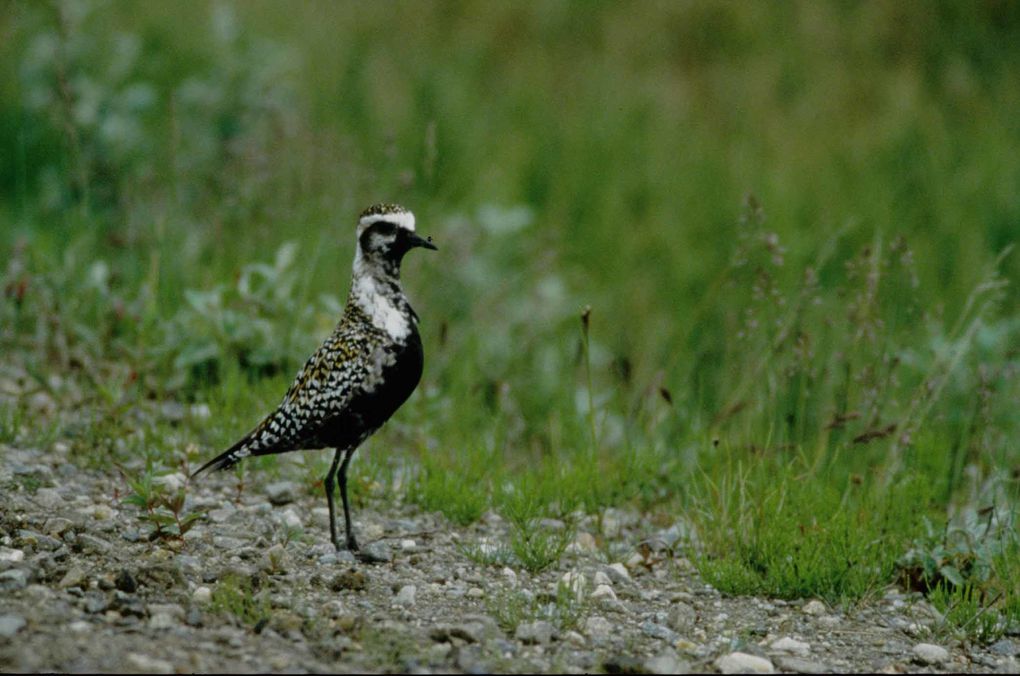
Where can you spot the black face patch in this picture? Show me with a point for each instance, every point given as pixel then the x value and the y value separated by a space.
pixel 383 229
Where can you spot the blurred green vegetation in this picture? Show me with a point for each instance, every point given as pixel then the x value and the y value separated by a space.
pixel 791 223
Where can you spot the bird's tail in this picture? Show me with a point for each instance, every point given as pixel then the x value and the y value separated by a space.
pixel 227 458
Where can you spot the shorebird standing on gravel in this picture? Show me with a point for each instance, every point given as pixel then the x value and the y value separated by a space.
pixel 361 374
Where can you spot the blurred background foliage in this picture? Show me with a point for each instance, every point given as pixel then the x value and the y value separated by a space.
pixel 791 222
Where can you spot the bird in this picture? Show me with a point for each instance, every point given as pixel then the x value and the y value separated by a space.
pixel 360 375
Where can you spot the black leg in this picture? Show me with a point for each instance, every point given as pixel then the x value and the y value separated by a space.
pixel 352 544
pixel 330 483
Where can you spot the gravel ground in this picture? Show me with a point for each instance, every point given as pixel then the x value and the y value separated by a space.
pixel 82 589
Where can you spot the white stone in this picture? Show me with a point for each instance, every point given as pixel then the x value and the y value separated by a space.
pixel 172 482
pixel 405 597
pixel 601 578
pixel 510 576
pixel 814 607
pixel 791 646
pixel 604 591
pixel 149 665
pixel 201 595
pixel 291 519
pixel 79 626
pixel 11 555
pixel 742 663
pixel 618 572
pixel 635 560
pixel 598 627
pixel 408 545
pixel 930 653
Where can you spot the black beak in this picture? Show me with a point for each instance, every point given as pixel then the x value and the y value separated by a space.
pixel 418 241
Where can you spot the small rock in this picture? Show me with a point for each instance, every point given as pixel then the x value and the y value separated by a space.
pixel 126 582
pixel 742 663
pixel 149 665
pixel 814 607
pixel 48 498
pixel 635 560
pixel 666 663
pixel 658 631
pixel 1005 647
pixel 603 592
pixel 510 576
pixel 405 597
pixel 91 543
pixel 801 666
pixel 928 653
pixel 585 542
pixel 161 621
pixel 11 625
pixel 377 552
pixel 72 578
pixel 540 632
pixel 791 646
pixel 290 519
pixel 79 626
pixel 682 617
pixel 95 602
pixel 201 595
pixel 598 627
pixel 9 556
pixel 57 526
pixel 601 578
pixel 408 545
pixel 282 492
pixel 618 573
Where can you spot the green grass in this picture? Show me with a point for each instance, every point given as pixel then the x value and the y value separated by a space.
pixel 791 225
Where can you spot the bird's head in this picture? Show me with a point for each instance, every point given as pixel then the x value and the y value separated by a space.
pixel 386 233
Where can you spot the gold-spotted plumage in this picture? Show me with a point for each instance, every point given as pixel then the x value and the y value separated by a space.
pixel 361 373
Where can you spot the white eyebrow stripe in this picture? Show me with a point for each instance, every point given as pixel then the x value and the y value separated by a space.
pixel 403 220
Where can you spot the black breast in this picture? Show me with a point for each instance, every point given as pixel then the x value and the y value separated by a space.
pixel 372 407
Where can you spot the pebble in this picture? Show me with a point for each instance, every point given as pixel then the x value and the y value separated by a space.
pixel 8 556
pixel 510 576
pixel 201 595
pixel 290 519
pixel 282 492
pixel 791 646
pixel 1005 647
pixel 601 578
pixel 79 626
pixel 801 666
pixel 48 498
pixel 618 573
pixel 74 577
pixel 126 582
pixel 682 617
pixel 928 653
pixel 666 663
pixel 598 627
pixel 408 545
pixel 149 665
pixel 540 632
pixel 11 625
pixel 603 593
pixel 12 579
pixel 814 607
pixel 405 597
pixel 742 663
pixel 584 542
pixel 659 631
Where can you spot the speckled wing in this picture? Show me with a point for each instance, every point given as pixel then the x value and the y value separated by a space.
pixel 324 387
